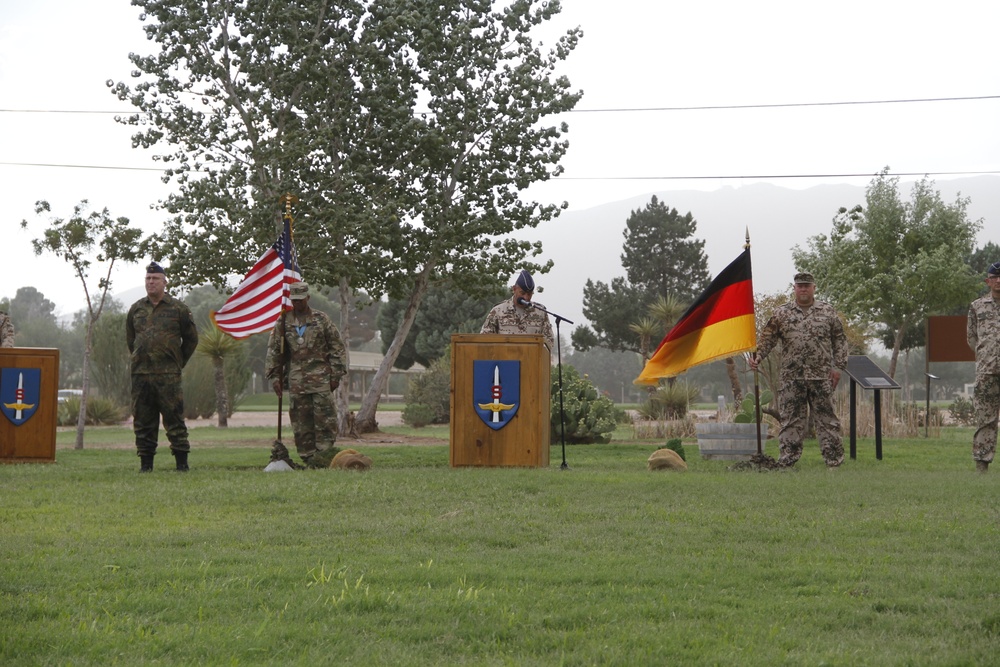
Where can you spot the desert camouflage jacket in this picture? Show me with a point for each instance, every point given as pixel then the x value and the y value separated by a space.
pixel 313 354
pixel 506 318
pixel 161 338
pixel 6 331
pixel 812 340
pixel 984 334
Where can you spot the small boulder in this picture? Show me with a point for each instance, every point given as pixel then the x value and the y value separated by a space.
pixel 350 459
pixel 278 466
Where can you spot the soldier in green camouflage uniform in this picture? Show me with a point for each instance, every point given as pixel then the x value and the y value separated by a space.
pixel 984 339
pixel 161 337
pixel 305 355
pixel 6 331
pixel 814 352
pixel 512 317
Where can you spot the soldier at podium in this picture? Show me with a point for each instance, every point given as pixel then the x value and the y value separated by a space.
pixel 6 330
pixel 518 315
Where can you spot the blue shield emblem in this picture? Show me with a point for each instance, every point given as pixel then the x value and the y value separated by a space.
pixel 496 391
pixel 20 389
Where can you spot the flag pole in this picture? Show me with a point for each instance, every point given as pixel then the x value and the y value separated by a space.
pixel 756 378
pixel 287 200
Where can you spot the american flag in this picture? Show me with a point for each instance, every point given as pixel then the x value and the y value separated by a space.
pixel 262 296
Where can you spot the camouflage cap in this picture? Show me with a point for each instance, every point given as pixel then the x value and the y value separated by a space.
pixel 298 291
pixel 153 267
pixel 804 278
pixel 994 269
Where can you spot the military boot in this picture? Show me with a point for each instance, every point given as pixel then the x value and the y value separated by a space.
pixel 182 461
pixel 146 463
pixel 982 466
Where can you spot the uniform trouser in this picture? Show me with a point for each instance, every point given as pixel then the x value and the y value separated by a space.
pixel 986 407
pixel 154 396
pixel 798 399
pixel 314 422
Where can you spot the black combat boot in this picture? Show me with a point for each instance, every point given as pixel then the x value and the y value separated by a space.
pixel 182 461
pixel 146 464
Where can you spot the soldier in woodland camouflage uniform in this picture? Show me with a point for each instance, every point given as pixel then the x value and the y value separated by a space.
pixel 305 355
pixel 161 337
pixel 984 339
pixel 6 331
pixel 814 352
pixel 511 317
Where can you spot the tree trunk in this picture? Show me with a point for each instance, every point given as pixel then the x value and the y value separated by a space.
pixel 345 427
pixel 365 420
pixel 81 418
pixel 897 342
pixel 221 391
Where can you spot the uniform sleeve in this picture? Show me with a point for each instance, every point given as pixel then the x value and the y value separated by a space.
pixel 838 340
pixel 550 338
pixel 768 336
pixel 336 351
pixel 130 330
pixel 272 360
pixel 189 335
pixel 492 324
pixel 6 331
pixel 972 329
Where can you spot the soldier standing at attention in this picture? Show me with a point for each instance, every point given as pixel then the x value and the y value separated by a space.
pixel 814 352
pixel 984 339
pixel 6 330
pixel 161 337
pixel 517 316
pixel 305 355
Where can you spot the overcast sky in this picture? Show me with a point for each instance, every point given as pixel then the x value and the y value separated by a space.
pixel 637 57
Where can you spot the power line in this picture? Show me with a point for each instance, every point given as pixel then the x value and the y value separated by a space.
pixel 720 177
pixel 783 105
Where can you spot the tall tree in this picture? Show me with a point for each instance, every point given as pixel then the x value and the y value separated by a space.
pixel 257 99
pixel 75 239
pixel 662 260
pixel 892 263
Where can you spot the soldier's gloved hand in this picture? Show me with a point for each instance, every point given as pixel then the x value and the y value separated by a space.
pixel 277 387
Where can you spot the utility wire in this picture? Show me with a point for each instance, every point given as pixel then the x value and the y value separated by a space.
pixel 785 105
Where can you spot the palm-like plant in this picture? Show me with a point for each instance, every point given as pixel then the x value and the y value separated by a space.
pixel 217 346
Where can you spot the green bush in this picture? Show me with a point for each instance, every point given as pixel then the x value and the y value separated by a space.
pixel 198 384
pixel 417 415
pixel 961 411
pixel 100 412
pixel 668 403
pixel 589 417
pixel 747 413
pixel 432 389
pixel 676 445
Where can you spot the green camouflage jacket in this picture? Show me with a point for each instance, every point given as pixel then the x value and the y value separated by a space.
pixel 160 338
pixel 310 361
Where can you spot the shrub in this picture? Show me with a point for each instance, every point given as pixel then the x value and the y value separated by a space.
pixel 747 412
pixel 432 390
pixel 198 384
pixel 589 417
pixel 961 411
pixel 668 402
pixel 100 412
pixel 418 415
pixel 676 445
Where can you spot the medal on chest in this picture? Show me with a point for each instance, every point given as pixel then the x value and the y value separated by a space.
pixel 301 331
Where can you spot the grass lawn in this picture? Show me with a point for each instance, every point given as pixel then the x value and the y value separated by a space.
pixel 890 562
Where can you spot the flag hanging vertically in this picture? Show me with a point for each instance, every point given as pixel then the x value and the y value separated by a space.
pixel 719 324
pixel 262 296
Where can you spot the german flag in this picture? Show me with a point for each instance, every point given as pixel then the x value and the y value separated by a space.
pixel 719 324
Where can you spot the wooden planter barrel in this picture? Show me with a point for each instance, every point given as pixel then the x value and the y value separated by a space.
pixel 728 440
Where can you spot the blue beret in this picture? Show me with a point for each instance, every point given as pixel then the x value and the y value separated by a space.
pixel 525 281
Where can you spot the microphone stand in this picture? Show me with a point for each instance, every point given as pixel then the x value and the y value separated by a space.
pixel 562 413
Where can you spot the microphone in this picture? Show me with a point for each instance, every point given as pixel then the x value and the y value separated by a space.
pixel 521 301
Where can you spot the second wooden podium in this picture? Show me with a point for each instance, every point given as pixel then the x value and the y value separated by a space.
pixel 500 389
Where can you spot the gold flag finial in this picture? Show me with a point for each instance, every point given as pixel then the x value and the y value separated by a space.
pixel 288 200
pixel 746 246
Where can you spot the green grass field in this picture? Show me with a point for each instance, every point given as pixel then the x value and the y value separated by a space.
pixel 890 562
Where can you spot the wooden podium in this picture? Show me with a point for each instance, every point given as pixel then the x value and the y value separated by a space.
pixel 499 400
pixel 29 386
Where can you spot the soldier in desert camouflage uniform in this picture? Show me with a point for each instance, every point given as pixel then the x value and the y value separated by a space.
pixel 984 339
pixel 814 352
pixel 305 355
pixel 512 317
pixel 6 330
pixel 161 337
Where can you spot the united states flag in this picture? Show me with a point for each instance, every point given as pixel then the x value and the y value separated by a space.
pixel 262 296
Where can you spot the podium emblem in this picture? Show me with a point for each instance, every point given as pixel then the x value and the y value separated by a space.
pixel 496 391
pixel 20 389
